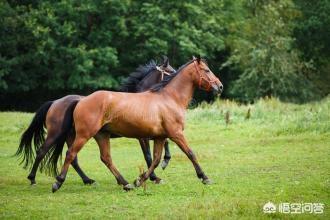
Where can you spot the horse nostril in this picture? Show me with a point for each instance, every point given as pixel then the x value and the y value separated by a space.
pixel 221 87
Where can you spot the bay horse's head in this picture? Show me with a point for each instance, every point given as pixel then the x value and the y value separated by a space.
pixel 204 78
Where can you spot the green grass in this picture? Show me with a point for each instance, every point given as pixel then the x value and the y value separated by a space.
pixel 280 154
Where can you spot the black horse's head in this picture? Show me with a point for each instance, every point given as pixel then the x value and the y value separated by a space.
pixel 166 67
pixel 146 76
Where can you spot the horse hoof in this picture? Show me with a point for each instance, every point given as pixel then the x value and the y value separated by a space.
pixel 89 182
pixel 128 187
pixel 32 180
pixel 207 182
pixel 33 183
pixel 159 181
pixel 164 164
pixel 137 182
pixel 56 186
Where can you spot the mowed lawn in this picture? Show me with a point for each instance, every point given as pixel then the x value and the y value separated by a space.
pixel 280 154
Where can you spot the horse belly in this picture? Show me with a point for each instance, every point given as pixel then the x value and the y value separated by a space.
pixel 135 129
pixel 134 115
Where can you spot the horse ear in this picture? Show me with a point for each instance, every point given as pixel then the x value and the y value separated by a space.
pixel 194 58
pixel 165 61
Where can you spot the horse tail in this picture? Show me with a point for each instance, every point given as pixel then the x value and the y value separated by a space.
pixel 34 132
pixel 54 156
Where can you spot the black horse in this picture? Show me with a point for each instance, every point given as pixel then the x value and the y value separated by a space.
pixel 56 117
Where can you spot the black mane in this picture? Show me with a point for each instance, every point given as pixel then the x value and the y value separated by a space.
pixel 130 83
pixel 157 87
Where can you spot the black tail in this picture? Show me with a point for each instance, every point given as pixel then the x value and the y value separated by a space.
pixel 36 132
pixel 54 156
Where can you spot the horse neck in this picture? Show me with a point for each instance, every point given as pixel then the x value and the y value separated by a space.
pixel 181 89
pixel 147 82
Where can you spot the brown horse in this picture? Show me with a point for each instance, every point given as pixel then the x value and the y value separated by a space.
pixel 57 116
pixel 158 114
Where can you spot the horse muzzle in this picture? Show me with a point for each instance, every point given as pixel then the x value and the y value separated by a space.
pixel 217 88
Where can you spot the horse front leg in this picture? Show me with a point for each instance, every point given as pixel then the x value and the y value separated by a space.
pixel 180 140
pixel 158 148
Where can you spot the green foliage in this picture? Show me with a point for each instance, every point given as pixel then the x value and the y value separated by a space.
pixel 263 50
pixel 91 44
pixel 312 117
pixel 57 45
pixel 312 31
pixel 313 28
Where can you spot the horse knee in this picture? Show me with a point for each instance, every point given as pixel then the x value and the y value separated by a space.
pixel 73 151
pixel 70 156
pixel 105 159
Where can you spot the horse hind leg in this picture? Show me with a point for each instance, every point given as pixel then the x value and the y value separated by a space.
pixel 73 151
pixel 158 148
pixel 182 143
pixel 167 156
pixel 75 165
pixel 144 143
pixel 42 151
pixel 103 141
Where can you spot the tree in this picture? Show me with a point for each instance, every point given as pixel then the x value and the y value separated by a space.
pixel 312 31
pixel 86 45
pixel 263 51
pixel 57 45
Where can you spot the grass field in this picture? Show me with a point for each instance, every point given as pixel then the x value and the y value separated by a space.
pixel 280 154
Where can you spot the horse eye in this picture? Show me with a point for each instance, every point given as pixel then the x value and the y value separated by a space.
pixel 207 70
